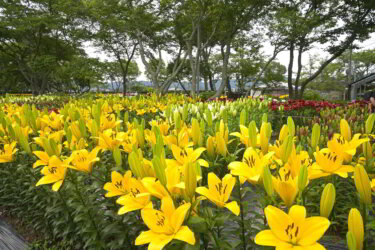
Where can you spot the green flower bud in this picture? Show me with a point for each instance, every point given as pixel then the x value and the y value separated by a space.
pixel 327 200
pixel 267 181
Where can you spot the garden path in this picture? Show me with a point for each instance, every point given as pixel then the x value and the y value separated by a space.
pixel 9 239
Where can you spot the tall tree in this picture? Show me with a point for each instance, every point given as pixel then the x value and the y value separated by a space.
pixel 237 16
pixel 302 25
pixel 113 32
pixel 36 38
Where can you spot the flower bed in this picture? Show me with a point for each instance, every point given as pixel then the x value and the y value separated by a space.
pixel 105 172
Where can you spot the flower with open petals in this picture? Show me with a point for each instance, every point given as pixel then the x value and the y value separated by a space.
pixel 165 225
pixel 293 230
pixel 137 197
pixel 119 184
pixel 286 186
pixel 9 150
pixel 83 160
pixel 251 166
pixel 218 191
pixel 185 155
pixel 343 148
pixel 55 172
pixel 328 163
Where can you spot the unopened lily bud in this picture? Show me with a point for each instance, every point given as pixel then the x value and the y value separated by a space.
pixel 196 131
pixel 367 150
pixel 185 112
pixel 221 146
pixel 117 156
pixel 302 178
pixel 177 120
pixel 355 226
pixel 94 129
pixel 283 133
pixel 252 134
pixel 315 136
pixel 291 126
pixel 265 117
pixel 135 165
pixel 350 240
pixel 345 130
pixel 286 148
pixel 370 123
pixel 159 169
pixel 190 180
pixel 264 137
pixel 243 117
pixel 363 185
pixel 210 147
pixel 54 148
pixel 75 130
pixel 81 144
pixel 327 200
pixel 267 181
pixel 208 117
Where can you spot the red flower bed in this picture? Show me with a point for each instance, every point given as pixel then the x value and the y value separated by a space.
pixel 317 105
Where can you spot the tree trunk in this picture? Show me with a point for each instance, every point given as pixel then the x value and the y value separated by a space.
pixel 224 73
pixel 205 83
pixel 290 70
pixel 212 87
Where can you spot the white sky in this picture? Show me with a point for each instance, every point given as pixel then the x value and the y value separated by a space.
pixel 283 57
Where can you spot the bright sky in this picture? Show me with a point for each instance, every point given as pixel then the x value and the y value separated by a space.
pixel 283 57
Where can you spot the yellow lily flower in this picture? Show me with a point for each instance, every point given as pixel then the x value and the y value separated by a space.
pixel 185 156
pixel 108 122
pixel 296 161
pixel 251 167
pixel 7 153
pixel 43 159
pixel 181 140
pixel 174 184
pixel 53 120
pixel 292 230
pixel 165 225
pixel 119 184
pixel 373 184
pixel 328 163
pixel 108 140
pixel 162 125
pixel 218 192
pixel 54 173
pixel 244 136
pixel 83 160
pixel 286 187
pixel 343 148
pixel 137 197
pixel 128 139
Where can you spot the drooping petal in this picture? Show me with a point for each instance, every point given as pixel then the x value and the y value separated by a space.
pixel 146 237
pixel 160 242
pixel 185 234
pixel 312 230
pixel 267 238
pixel 178 216
pixel 233 207
pixel 57 185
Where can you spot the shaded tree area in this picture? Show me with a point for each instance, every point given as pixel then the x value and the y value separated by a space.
pixel 211 41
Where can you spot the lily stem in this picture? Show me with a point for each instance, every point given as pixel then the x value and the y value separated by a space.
pixel 242 214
